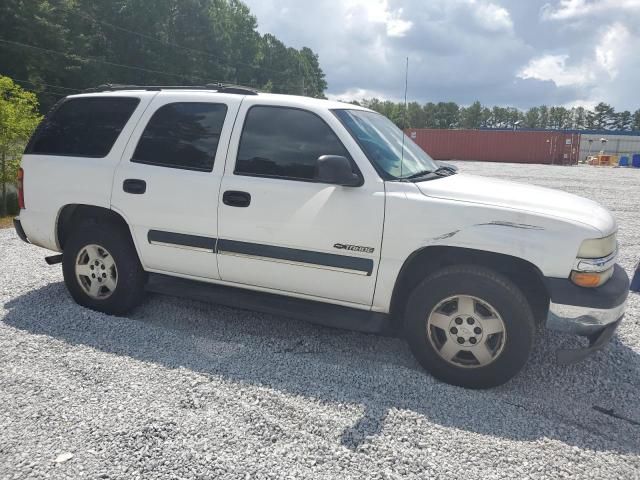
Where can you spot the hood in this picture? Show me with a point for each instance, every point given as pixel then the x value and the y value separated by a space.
pixel 521 197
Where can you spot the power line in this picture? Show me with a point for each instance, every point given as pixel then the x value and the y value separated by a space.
pixel 171 44
pixel 36 84
pixel 106 62
pixel 91 59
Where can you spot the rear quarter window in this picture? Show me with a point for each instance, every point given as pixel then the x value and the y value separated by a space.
pixel 83 127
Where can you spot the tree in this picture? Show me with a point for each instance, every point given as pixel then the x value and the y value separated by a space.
pixel 471 117
pixel 636 120
pixel 559 118
pixel 430 115
pixel 312 75
pixel 18 118
pixel 603 116
pixel 579 118
pixel 447 115
pixel 415 115
pixel 60 47
pixel 544 116
pixel 532 118
pixel 623 120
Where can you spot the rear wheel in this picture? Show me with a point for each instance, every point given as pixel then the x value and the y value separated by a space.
pixel 469 326
pixel 101 268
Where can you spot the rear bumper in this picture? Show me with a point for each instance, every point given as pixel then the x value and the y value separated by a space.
pixel 591 312
pixel 19 230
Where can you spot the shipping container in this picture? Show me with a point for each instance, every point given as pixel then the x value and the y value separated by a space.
pixel 520 146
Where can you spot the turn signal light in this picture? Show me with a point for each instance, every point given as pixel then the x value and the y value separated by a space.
pixel 591 279
pixel 21 188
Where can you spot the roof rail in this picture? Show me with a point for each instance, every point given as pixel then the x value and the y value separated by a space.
pixel 218 87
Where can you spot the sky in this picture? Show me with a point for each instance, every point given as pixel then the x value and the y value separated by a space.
pixel 517 53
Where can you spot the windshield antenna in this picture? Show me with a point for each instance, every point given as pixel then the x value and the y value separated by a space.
pixel 404 117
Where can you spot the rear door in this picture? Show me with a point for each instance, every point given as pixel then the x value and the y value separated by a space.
pixel 167 183
pixel 282 230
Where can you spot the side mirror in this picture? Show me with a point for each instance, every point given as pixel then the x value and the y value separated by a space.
pixel 336 170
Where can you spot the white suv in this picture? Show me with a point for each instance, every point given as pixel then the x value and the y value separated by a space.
pixel 316 209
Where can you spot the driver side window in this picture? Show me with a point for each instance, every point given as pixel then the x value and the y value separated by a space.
pixel 283 142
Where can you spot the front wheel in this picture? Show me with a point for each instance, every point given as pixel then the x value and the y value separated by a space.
pixel 101 268
pixel 469 326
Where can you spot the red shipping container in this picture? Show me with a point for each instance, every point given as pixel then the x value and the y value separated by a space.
pixel 520 146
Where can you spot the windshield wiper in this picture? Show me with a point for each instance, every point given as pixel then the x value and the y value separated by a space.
pixel 424 174
pixel 445 171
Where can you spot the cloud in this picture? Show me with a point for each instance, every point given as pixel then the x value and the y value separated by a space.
pixel 606 61
pixel 594 74
pixel 492 16
pixel 555 69
pixel 507 52
pixel 572 9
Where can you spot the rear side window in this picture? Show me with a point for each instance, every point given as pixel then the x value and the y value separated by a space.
pixel 182 135
pixel 83 127
pixel 285 143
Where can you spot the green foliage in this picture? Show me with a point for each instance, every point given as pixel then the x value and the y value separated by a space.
pixel 636 120
pixel 18 118
pixel 58 47
pixel 450 115
pixel 12 204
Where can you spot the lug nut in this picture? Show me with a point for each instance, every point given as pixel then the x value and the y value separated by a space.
pixel 460 340
pixel 472 340
pixel 91 267
pixel 102 267
pixel 454 330
pixel 93 275
pixel 99 279
pixel 104 275
pixel 470 321
pixel 458 321
pixel 477 330
pixel 97 262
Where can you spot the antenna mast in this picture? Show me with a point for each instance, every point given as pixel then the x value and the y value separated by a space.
pixel 404 117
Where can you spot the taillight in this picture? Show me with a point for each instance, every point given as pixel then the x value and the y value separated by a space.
pixel 21 188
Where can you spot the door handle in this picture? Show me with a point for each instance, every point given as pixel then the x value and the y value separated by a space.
pixel 134 186
pixel 234 198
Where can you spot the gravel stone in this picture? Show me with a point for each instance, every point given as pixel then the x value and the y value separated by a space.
pixel 184 389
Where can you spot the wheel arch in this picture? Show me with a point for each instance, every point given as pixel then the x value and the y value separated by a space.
pixel 427 260
pixel 73 214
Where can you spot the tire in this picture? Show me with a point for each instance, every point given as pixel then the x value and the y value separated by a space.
pixel 501 315
pixel 121 287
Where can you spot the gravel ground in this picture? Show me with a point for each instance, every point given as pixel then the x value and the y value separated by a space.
pixel 183 389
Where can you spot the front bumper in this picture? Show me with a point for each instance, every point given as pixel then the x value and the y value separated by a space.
pixel 591 312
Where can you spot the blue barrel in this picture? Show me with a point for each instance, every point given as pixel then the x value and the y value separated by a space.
pixel 624 161
pixel 635 162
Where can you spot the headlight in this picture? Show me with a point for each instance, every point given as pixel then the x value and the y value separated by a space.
pixel 598 247
pixel 594 265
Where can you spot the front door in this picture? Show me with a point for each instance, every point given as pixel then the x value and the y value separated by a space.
pixel 279 229
pixel 168 180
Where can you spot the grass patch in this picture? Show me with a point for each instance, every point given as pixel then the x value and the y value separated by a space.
pixel 6 222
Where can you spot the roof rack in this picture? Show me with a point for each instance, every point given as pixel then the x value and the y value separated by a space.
pixel 218 87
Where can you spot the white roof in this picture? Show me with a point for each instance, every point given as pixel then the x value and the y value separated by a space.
pixel 297 100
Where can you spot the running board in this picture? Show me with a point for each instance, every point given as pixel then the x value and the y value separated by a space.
pixel 326 314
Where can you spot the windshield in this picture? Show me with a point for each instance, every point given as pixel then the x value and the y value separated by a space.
pixel 381 141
